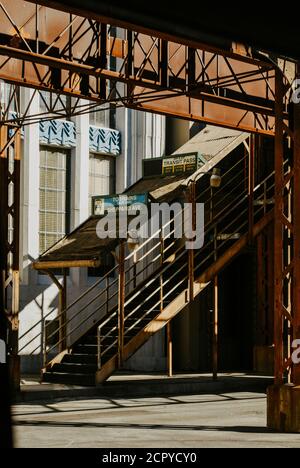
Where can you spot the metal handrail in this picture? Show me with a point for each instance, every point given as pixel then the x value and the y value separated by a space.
pixel 102 280
pixel 155 247
pixel 86 319
pixel 212 227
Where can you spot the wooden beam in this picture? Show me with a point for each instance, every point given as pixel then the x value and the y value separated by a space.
pixel 52 265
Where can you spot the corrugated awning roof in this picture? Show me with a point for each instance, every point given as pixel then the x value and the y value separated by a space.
pixel 159 188
pixel 213 141
pixel 83 248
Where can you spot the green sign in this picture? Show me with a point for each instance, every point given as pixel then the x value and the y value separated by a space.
pixel 179 164
pixel 110 203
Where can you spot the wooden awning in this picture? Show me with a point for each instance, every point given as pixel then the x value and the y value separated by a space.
pixel 80 248
pixel 83 248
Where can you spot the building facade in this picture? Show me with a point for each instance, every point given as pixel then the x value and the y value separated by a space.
pixel 64 164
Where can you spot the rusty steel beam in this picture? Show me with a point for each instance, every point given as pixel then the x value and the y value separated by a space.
pixel 286 242
pixel 70 54
pixel 279 233
pixel 200 104
pixel 296 236
pixel 196 23
pixel 9 241
pixel 265 288
pixel 5 416
pixel 283 400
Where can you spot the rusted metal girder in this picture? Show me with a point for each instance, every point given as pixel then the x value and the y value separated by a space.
pixel 287 240
pixel 296 235
pixel 265 288
pixel 74 55
pixel 9 240
pixel 194 22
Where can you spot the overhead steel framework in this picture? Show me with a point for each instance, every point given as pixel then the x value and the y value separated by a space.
pixel 86 59
pixel 236 87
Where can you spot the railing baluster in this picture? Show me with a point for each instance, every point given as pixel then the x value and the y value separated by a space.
pixel 161 279
pixel 99 348
pixel 107 295
pixel 121 304
pixel 191 259
pixel 44 343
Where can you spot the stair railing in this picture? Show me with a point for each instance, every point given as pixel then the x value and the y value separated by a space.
pixel 230 223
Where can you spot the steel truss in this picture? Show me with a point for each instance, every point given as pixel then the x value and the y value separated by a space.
pixel 287 239
pixel 10 139
pixel 69 54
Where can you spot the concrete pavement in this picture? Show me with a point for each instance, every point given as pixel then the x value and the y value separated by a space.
pixel 236 419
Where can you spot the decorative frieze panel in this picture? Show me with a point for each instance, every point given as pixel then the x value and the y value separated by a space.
pixel 105 140
pixel 58 133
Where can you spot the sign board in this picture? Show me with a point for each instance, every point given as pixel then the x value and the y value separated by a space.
pixel 172 165
pixel 106 204
pixel 180 164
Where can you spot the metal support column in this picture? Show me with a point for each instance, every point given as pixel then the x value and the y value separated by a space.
pixel 9 274
pixel 251 182
pixel 63 314
pixel 10 237
pixel 121 304
pixel 215 329
pixel 191 261
pixel 5 417
pixel 284 400
pixel 296 239
pixel 279 232
pixel 170 349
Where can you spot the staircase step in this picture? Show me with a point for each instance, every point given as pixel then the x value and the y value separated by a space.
pixel 84 380
pixel 89 339
pixel 71 368
pixel 77 358
pixel 85 349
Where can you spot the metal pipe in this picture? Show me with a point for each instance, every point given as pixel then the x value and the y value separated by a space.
pixel 215 352
pixel 170 349
pixel 121 304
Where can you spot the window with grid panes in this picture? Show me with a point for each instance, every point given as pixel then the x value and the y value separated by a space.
pixel 54 211
pixel 101 176
pixel 100 117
